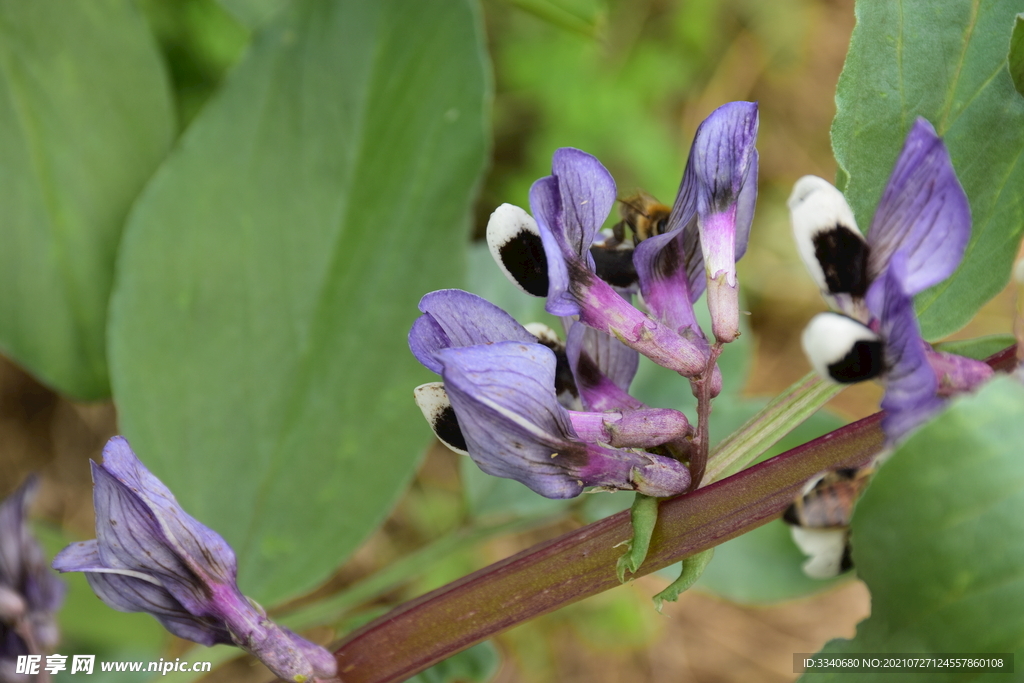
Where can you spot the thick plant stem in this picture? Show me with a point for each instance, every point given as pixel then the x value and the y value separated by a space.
pixel 541 579
pixel 579 564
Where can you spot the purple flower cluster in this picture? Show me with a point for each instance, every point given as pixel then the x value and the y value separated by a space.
pixel 150 556
pixel 556 416
pixel 30 594
pixel 917 239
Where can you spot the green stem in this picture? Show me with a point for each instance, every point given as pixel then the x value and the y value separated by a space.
pixel 783 414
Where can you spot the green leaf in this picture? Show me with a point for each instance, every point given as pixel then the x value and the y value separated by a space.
pixel 85 117
pixel 271 270
pixel 692 568
pixel 252 13
pixel 1016 56
pixel 936 537
pixel 643 515
pixel 978 348
pixel 478 664
pixel 946 62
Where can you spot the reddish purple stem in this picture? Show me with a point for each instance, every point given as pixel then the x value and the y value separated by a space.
pixel 419 633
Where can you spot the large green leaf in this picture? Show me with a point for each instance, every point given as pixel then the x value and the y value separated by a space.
pixel 85 117
pixel 938 538
pixel 271 271
pixel 945 61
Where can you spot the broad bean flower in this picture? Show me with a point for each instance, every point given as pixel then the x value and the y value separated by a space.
pixel 150 556
pixel 30 594
pixel 569 207
pixel 499 404
pixel 709 226
pixel 917 239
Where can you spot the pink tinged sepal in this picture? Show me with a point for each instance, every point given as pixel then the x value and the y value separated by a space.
pixel 911 386
pixel 604 309
pixel 957 374
pixel 151 556
pixel 923 213
pixel 639 428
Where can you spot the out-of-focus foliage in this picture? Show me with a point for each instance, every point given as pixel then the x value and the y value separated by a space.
pixel 1016 56
pixel 85 117
pixel 478 664
pixel 265 280
pixel 200 41
pixel 937 538
pixel 947 63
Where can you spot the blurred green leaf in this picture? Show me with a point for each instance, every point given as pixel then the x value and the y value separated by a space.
pixel 85 117
pixel 946 62
pixel 937 538
pixel 979 348
pixel 1016 56
pixel 761 567
pixel 493 498
pixel 478 664
pixel 266 288
pixel 253 13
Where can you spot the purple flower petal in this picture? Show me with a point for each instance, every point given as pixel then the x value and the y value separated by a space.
pixel 663 264
pixel 587 193
pixel 130 592
pixel 504 397
pixel 150 556
pixel 23 569
pixel 453 317
pixel 515 428
pixel 745 202
pixel 910 384
pixel 570 206
pixel 923 212
pixel 723 152
pixel 716 201
pixel 602 385
pixel 203 550
pixel 546 204
pixel 604 309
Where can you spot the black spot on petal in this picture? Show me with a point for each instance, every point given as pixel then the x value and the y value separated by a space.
pixel 524 258
pixel 864 361
pixel 846 564
pixel 565 383
pixel 843 256
pixel 446 426
pixel 614 266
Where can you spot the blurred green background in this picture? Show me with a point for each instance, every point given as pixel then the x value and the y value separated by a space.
pixel 629 81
